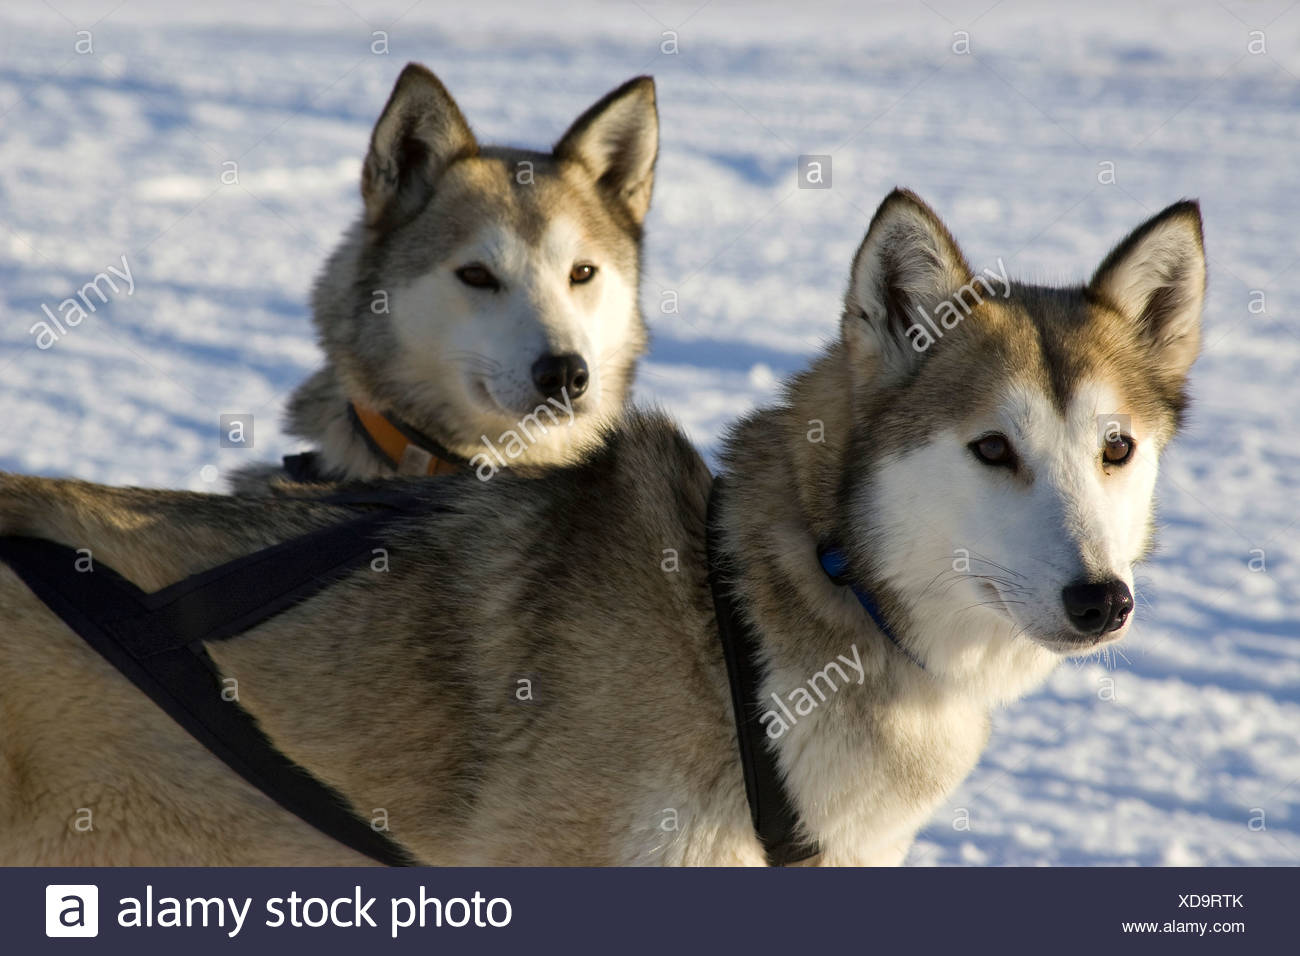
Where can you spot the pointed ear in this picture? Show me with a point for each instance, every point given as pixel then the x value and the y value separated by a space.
pixel 420 133
pixel 1156 277
pixel 617 140
pixel 906 266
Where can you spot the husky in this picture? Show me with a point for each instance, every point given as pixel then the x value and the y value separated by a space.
pixel 535 676
pixel 484 309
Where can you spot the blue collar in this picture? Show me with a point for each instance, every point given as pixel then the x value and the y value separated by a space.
pixel 836 565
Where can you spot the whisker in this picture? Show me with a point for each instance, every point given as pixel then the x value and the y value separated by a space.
pixel 475 359
pixel 990 604
pixel 979 557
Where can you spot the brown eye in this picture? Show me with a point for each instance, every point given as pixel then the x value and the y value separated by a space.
pixel 477 276
pixel 581 273
pixel 1118 450
pixel 994 450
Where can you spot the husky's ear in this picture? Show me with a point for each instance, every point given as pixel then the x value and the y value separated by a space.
pixel 420 133
pixel 1156 277
pixel 617 140
pixel 907 264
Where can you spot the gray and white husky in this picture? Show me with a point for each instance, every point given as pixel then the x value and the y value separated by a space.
pixel 484 309
pixel 538 677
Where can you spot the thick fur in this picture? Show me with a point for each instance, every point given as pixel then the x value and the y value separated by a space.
pixel 587 586
pixel 403 334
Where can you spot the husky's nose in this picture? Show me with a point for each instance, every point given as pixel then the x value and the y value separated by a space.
pixel 1097 608
pixel 555 375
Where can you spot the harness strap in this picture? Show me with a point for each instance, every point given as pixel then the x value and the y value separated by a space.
pixel 156 641
pixel 305 467
pixel 775 818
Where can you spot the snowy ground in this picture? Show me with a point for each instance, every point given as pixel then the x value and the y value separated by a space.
pixel 1196 759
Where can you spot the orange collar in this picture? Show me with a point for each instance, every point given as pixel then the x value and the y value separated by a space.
pixel 405 449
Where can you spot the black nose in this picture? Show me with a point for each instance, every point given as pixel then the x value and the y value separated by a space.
pixel 554 375
pixel 1097 608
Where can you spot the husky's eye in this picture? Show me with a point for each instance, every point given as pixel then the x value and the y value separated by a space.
pixel 581 273
pixel 994 449
pixel 477 277
pixel 1118 450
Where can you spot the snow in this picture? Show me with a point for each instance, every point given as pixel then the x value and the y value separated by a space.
pixel 1185 749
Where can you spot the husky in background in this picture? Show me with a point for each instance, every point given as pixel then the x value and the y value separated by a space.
pixel 990 491
pixel 484 309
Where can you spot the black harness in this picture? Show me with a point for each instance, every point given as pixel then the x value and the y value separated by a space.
pixel 776 821
pixel 305 467
pixel 156 641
